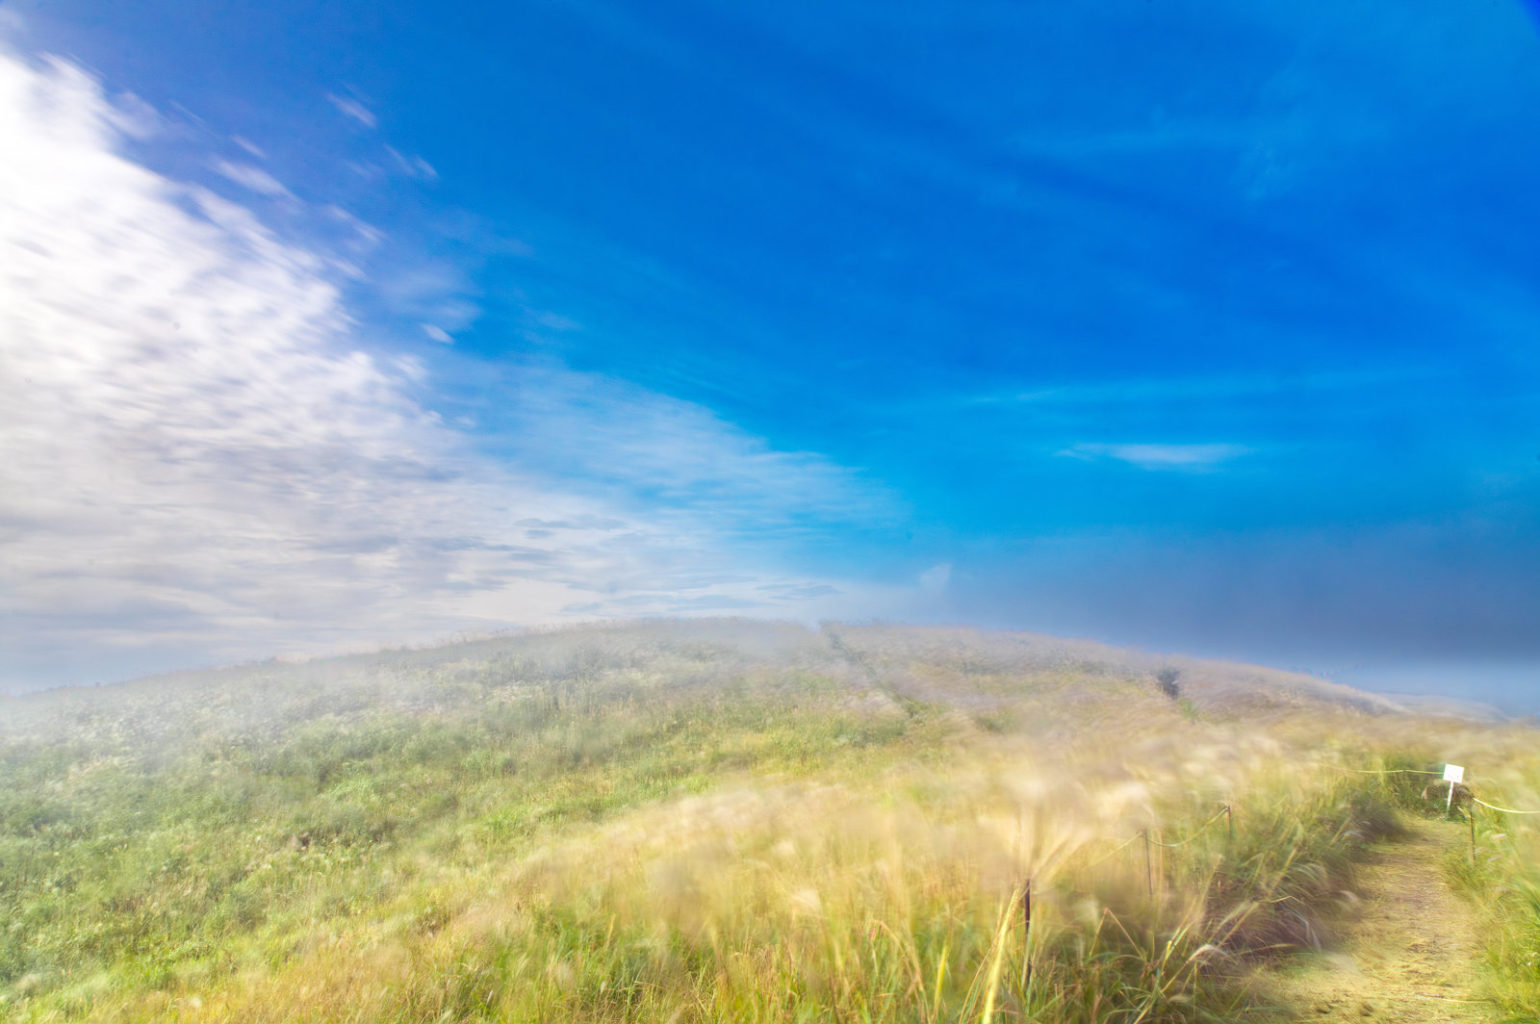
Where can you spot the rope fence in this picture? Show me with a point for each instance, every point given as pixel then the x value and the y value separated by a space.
pixel 1379 771
pixel 1505 810
pixel 1452 774
pixel 1104 858
pixel 1422 771
pixel 1223 811
pixel 1227 812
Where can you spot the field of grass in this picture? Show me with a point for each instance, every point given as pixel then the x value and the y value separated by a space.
pixel 714 821
pixel 1500 872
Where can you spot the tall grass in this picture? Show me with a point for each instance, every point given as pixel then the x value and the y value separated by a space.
pixel 678 830
pixel 1497 865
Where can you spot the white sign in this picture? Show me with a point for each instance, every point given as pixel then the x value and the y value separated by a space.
pixel 1454 773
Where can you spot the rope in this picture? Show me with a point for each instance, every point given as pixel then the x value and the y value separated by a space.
pixel 1112 853
pixel 1505 810
pixel 1225 810
pixel 1419 771
pixel 1201 829
pixel 1385 771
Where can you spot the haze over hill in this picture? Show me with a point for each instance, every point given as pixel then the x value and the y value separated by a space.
pixel 884 664
pixel 715 820
pixel 831 646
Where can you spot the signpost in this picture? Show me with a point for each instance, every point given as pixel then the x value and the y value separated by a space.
pixel 1454 774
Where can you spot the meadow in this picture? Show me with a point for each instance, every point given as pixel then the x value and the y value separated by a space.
pixel 722 821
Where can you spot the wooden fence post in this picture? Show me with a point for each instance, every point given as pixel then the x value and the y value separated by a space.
pixel 1026 920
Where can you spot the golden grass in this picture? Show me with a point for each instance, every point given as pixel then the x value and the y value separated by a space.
pixel 841 847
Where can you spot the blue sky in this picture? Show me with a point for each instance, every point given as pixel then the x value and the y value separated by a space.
pixel 1201 326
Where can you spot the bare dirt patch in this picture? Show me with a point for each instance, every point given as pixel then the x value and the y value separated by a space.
pixel 1407 955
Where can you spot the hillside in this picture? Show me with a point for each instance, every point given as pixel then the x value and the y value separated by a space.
pixel 701 820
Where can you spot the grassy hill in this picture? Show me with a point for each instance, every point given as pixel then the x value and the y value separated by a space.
pixel 712 820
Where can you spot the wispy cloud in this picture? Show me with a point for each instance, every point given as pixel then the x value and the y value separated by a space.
pixel 249 146
pixel 412 166
pixel 352 108
pixel 203 457
pixel 1159 456
pixel 1158 389
pixel 254 178
pixel 935 579
pixel 430 291
pixel 675 456
pixel 365 236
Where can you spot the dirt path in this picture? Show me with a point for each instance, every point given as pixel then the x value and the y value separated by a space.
pixel 1407 957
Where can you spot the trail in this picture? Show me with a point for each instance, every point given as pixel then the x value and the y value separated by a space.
pixel 1408 957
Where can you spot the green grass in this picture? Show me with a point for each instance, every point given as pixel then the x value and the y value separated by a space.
pixel 676 824
pixel 1498 870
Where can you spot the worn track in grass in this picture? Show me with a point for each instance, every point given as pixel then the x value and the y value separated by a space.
pixel 1407 954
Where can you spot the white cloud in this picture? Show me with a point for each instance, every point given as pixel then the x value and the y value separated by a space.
pixel 254 178
pixel 680 455
pixel 1154 390
pixel 365 235
pixel 354 109
pixel 934 580
pixel 412 166
pixel 428 291
pixel 438 334
pixel 249 147
pixel 1159 456
pixel 202 458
